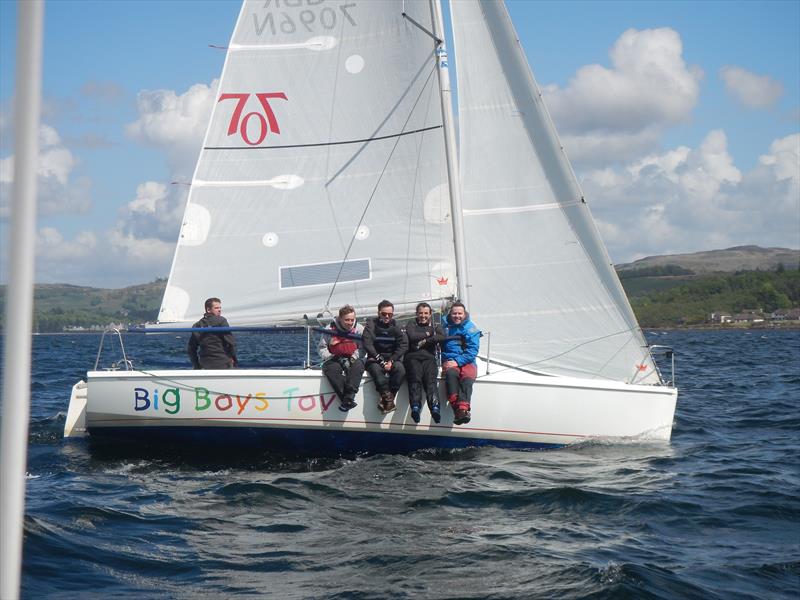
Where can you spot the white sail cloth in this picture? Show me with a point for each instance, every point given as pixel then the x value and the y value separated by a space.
pixel 325 143
pixel 540 278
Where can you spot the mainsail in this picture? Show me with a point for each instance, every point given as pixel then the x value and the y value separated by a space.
pixel 540 278
pixel 322 178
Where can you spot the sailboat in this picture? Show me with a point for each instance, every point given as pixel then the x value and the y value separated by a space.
pixel 333 172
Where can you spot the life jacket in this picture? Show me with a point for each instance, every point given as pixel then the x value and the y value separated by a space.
pixel 385 336
pixel 346 346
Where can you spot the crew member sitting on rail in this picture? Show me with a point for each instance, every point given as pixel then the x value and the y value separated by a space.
pixel 342 357
pixel 424 338
pixel 458 361
pixel 385 343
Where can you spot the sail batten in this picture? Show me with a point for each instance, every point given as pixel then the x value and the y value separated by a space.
pixel 516 209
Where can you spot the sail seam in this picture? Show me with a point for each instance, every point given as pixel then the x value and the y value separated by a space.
pixel 320 144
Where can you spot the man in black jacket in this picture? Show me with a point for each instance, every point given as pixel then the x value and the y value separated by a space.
pixel 209 350
pixel 420 361
pixel 385 343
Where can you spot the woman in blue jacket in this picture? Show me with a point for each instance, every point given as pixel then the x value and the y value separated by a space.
pixel 459 368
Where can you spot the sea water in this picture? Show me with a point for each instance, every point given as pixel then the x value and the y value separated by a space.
pixel 713 514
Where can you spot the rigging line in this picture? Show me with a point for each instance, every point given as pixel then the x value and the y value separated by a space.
pixel 430 34
pixel 322 144
pixel 377 184
pixel 443 172
pixel 379 126
pixel 536 362
pixel 613 356
pixel 420 145
pixel 328 153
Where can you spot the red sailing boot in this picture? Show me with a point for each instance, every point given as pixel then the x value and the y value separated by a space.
pixel 462 414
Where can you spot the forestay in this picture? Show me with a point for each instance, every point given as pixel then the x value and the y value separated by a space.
pixel 540 278
pixel 323 163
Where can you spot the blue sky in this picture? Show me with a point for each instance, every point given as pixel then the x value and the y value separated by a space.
pixel 713 165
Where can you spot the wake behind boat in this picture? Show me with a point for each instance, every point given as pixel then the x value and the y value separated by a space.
pixel 329 176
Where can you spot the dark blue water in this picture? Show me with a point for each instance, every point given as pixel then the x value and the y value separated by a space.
pixel 713 514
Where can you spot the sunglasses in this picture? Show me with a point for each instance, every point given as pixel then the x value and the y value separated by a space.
pixel 383 313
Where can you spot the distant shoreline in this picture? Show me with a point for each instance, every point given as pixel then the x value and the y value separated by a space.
pixel 726 327
pixel 705 326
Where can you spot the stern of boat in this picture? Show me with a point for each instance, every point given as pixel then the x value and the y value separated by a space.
pixel 75 425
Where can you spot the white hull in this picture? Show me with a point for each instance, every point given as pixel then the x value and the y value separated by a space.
pixel 508 408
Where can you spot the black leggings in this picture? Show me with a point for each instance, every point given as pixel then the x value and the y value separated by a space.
pixel 384 381
pixel 421 372
pixel 345 382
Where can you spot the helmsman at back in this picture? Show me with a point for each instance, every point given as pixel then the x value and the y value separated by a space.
pixel 209 350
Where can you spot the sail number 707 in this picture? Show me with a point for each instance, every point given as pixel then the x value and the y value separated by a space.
pixel 266 122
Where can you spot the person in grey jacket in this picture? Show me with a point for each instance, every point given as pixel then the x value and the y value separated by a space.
pixel 342 356
pixel 209 350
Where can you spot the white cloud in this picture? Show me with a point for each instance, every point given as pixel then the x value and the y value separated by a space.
pixel 142 241
pixel 598 147
pixel 782 159
pixel 113 259
pixel 175 124
pixel 753 91
pixel 613 114
pixel 58 192
pixel 138 247
pixel 689 199
pixel 155 213
pixel 51 245
pixel 150 252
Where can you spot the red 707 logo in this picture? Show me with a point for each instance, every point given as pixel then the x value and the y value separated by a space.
pixel 267 122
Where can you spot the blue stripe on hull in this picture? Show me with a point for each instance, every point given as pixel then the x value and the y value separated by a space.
pixel 305 441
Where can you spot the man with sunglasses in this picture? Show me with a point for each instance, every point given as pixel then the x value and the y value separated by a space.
pixel 385 343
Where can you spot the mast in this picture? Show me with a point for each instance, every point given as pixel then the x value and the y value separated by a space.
pixel 19 298
pixel 450 149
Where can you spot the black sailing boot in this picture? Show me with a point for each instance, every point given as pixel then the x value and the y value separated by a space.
pixel 433 404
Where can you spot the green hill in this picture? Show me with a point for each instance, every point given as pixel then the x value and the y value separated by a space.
pixel 691 300
pixel 729 260
pixel 664 291
pixel 60 306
